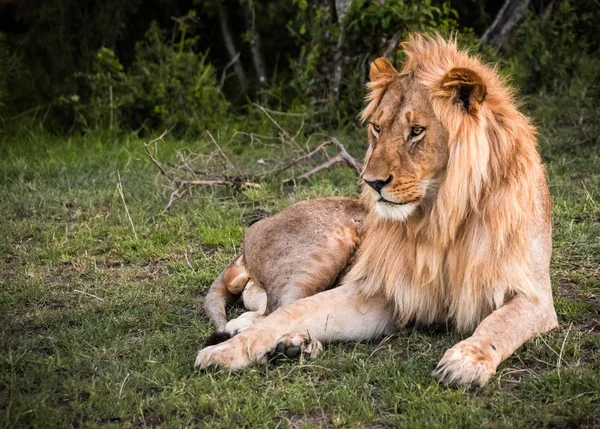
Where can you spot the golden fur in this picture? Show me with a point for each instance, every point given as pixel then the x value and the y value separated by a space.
pixel 314 242
pixel 470 248
pixel 458 227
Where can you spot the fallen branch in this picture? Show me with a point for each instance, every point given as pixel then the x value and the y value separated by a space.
pixel 343 157
pixel 88 294
pixel 185 176
pixel 231 181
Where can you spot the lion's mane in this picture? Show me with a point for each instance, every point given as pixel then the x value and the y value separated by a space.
pixel 469 251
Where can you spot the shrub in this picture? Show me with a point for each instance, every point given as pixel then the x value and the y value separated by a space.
pixel 176 88
pixel 107 92
pixel 368 30
pixel 168 87
pixel 550 49
pixel 4 70
pixel 556 58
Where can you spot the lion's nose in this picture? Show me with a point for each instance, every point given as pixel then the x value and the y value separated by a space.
pixel 378 184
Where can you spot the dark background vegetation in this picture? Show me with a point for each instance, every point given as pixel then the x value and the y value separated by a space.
pixel 101 288
pixel 71 66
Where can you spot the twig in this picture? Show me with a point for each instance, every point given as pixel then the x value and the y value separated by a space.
pixel 284 132
pixel 209 182
pixel 554 351
pixel 175 195
pixel 574 397
pixel 123 384
pixel 562 348
pixel 323 166
pixel 277 112
pixel 296 161
pixel 88 294
pixel 392 44
pixel 222 153
pixel 343 156
pixel 184 162
pixel 229 64
pixel 182 184
pixel 350 160
pixel 188 262
pixel 120 189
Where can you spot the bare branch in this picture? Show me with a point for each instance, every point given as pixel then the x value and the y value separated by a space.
pixel 342 157
pixel 296 161
pixel 224 72
pixel 184 176
pixel 508 17
pixel 284 132
pixel 392 44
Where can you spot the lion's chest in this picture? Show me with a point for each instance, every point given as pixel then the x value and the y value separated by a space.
pixel 432 288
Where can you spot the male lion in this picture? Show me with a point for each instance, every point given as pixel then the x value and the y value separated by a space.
pixel 457 231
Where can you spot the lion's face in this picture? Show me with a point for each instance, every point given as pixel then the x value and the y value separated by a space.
pixel 408 149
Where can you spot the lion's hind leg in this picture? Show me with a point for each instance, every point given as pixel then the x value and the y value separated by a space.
pixel 255 300
pixel 254 297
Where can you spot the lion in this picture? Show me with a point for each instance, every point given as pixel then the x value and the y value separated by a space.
pixel 320 239
pixel 457 230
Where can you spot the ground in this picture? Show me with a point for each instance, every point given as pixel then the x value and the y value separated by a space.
pixel 100 304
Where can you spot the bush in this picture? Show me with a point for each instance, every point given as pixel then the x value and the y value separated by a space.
pixel 368 30
pixel 556 58
pixel 4 70
pixel 550 49
pixel 168 87
pixel 176 88
pixel 107 92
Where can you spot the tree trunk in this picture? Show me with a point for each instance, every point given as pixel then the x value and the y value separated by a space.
pixel 230 46
pixel 254 41
pixel 509 15
pixel 341 9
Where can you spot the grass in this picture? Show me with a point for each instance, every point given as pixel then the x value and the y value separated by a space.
pixel 101 324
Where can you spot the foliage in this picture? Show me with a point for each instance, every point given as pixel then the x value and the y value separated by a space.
pixel 551 48
pixel 168 87
pixel 176 88
pixel 10 69
pixel 61 40
pixel 121 66
pixel 109 92
pixel 4 70
pixel 556 59
pixel 368 30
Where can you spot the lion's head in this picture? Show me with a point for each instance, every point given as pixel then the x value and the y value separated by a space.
pixel 408 144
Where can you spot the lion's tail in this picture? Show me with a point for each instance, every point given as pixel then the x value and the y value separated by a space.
pixel 224 291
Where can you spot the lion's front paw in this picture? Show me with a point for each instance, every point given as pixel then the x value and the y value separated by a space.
pixel 236 353
pixel 466 363
pixel 294 345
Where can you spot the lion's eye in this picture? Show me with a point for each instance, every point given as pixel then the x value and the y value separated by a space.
pixel 376 128
pixel 416 130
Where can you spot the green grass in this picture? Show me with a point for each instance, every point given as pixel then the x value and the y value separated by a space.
pixel 100 325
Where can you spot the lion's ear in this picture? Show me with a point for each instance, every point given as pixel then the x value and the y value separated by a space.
pixel 380 68
pixel 466 87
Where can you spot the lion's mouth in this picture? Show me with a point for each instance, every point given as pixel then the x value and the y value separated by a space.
pixel 383 200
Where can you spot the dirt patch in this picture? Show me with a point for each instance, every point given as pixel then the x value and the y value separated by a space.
pixel 591 325
pixel 570 287
pixel 209 249
pixel 314 418
pixel 59 279
pixel 254 216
